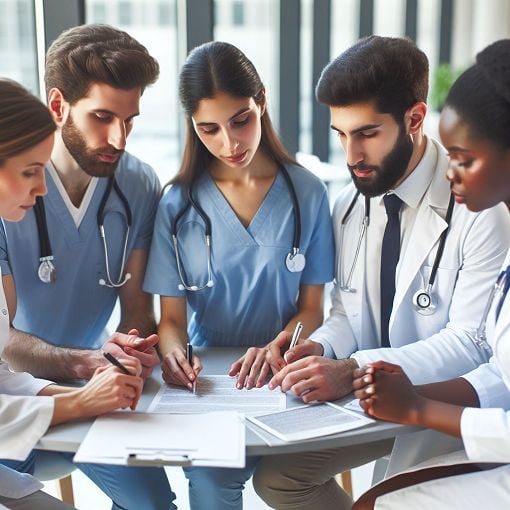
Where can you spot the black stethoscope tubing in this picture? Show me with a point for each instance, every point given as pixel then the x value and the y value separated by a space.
pixel 192 202
pixel 442 240
pixel 46 252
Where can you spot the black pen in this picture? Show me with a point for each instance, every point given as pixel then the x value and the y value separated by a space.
pixel 189 357
pixel 114 361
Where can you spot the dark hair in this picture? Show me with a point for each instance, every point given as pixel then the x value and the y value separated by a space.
pixel 220 67
pixel 392 72
pixel 24 120
pixel 90 54
pixel 481 95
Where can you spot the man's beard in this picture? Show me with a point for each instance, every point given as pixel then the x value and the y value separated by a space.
pixel 391 170
pixel 88 159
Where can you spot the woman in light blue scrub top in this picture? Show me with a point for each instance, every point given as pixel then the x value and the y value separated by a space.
pixel 243 291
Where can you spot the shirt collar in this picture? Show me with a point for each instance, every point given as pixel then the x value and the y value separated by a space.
pixel 414 186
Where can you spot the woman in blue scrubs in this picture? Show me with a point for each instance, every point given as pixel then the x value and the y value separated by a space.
pixel 271 240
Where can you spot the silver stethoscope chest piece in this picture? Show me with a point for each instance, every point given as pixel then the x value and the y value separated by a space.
pixel 295 262
pixel 423 301
pixel 47 272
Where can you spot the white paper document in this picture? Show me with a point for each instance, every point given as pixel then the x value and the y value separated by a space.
pixel 304 422
pixel 216 393
pixel 213 439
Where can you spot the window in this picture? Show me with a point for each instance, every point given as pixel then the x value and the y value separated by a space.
pixel 155 137
pixel 17 43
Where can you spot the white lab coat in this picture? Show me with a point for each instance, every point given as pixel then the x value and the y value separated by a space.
pixel 434 347
pixel 486 437
pixel 23 419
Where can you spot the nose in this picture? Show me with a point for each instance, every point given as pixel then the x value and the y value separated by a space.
pixel 40 188
pixel 231 143
pixel 353 152
pixel 117 135
pixel 452 173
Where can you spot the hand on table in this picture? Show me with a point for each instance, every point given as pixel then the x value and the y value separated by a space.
pixel 316 378
pixel 177 370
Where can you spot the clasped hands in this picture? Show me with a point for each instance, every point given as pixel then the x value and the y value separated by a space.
pixel 131 345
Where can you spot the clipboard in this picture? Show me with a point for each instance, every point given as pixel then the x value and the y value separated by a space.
pixel 143 439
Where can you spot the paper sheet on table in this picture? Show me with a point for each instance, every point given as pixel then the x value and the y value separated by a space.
pixel 212 439
pixel 216 393
pixel 309 421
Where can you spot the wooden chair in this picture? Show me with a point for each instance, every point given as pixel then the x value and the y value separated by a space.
pixel 52 466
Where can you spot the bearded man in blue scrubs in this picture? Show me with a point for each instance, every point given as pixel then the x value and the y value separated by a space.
pixel 67 262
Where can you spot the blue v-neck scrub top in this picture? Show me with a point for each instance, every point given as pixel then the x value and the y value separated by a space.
pixel 74 310
pixel 254 294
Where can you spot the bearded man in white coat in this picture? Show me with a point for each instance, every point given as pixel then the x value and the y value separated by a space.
pixel 419 282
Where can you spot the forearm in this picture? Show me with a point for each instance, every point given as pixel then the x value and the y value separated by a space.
pixel 141 319
pixel 28 353
pixel 311 318
pixel 456 392
pixel 171 335
pixel 440 416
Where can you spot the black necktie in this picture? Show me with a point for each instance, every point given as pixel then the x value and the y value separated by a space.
pixel 389 258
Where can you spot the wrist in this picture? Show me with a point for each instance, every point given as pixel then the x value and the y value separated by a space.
pixel 351 363
pixel 86 363
pixel 67 407
pixel 419 412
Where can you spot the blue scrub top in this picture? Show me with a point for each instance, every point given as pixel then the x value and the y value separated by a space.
pixel 254 294
pixel 74 310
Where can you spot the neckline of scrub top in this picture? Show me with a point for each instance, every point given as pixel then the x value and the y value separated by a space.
pixel 54 201
pixel 246 234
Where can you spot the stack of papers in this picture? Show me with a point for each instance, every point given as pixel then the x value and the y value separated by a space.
pixel 213 439
pixel 309 421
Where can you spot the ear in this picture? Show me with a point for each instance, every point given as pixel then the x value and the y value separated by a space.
pixel 263 103
pixel 414 117
pixel 57 105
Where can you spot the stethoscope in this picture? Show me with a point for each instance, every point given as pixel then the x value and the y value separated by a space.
pixel 47 272
pixel 498 291
pixel 294 261
pixel 423 299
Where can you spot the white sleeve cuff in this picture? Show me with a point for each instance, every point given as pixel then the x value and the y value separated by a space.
pixel 489 385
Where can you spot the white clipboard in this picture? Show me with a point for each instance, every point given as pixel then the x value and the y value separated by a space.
pixel 144 439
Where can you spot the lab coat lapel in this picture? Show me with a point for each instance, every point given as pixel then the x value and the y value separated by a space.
pixel 426 232
pixel 354 302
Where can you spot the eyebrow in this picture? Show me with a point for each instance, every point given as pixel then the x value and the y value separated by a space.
pixel 239 112
pixel 109 112
pixel 455 148
pixel 35 163
pixel 366 127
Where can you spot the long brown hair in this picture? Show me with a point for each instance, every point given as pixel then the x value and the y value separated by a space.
pixel 24 120
pixel 220 67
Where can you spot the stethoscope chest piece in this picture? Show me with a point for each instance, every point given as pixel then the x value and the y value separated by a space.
pixel 47 272
pixel 295 262
pixel 423 302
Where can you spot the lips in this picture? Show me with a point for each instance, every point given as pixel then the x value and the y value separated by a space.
pixel 27 207
pixel 108 158
pixel 362 173
pixel 237 158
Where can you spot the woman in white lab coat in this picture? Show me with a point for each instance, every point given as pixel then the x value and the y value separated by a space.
pixel 475 129
pixel 28 406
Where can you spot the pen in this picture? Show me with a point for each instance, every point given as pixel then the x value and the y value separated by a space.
pixel 189 357
pixel 114 361
pixel 295 335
